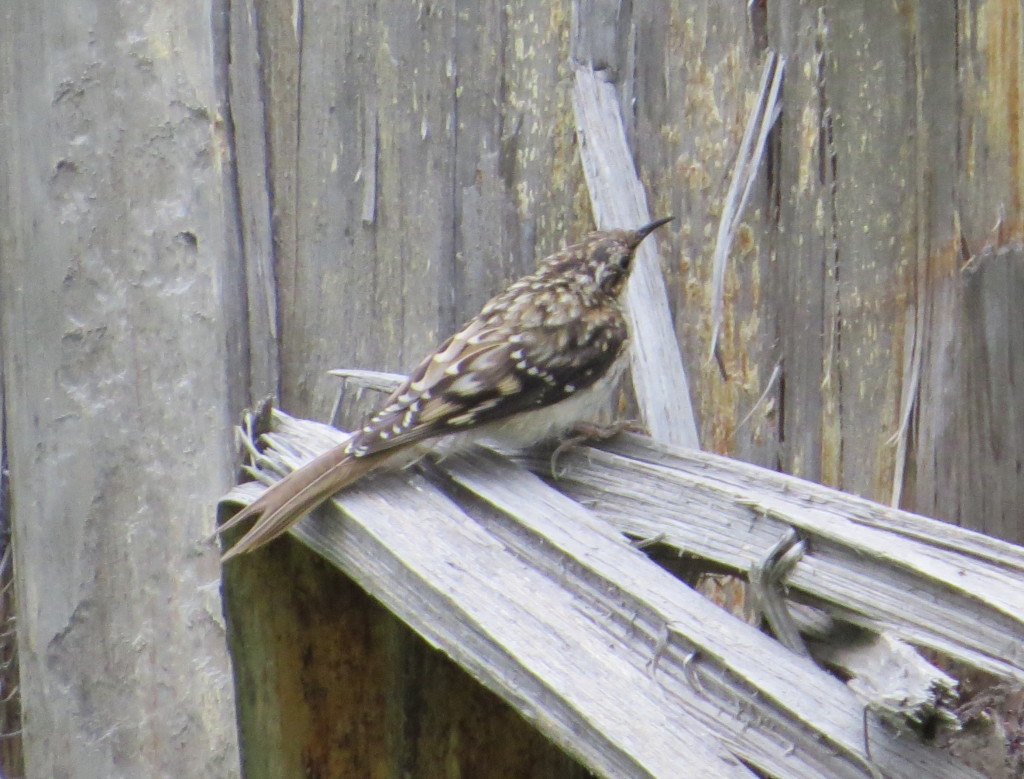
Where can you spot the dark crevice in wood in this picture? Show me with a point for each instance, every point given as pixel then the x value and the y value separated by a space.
pixel 240 336
pixel 12 759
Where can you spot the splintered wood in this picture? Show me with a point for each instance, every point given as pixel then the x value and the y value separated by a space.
pixel 539 594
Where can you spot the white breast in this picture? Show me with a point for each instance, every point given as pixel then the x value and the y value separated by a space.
pixel 531 427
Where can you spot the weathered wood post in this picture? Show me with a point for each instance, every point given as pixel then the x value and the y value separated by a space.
pixel 123 370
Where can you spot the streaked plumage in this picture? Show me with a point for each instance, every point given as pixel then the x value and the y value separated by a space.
pixel 534 362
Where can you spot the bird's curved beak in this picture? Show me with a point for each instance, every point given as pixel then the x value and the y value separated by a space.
pixel 646 230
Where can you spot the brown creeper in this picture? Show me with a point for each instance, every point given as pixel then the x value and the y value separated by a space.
pixel 536 360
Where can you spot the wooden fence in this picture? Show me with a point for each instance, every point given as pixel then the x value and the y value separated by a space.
pixel 205 203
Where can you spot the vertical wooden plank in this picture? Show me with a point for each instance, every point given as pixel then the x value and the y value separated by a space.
pixel 871 88
pixel 311 651
pixel 908 194
pixel 989 46
pixel 967 452
pixel 324 670
pixel 937 347
pixel 247 126
pixel 489 244
pixel 278 33
pixel 695 71
pixel 871 130
pixel 987 492
pixel 804 251
pixel 381 114
pixel 539 138
pixel 120 294
pixel 266 38
pixel 416 158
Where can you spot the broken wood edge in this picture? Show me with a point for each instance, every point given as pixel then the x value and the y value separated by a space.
pixel 738 698
pixel 889 676
pixel 772 503
pixel 733 514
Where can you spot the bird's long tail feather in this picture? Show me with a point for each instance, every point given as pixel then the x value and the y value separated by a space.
pixel 287 501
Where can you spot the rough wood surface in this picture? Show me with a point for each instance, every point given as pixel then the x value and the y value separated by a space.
pixel 898 170
pixel 745 172
pixel 250 185
pixel 618 199
pixel 692 85
pixel 414 156
pixel 801 277
pixel 419 156
pixel 921 580
pixel 120 299
pixel 699 505
pixel 965 449
pixel 604 651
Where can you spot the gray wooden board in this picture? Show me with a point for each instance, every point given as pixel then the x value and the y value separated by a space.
pixel 418 156
pixel 923 580
pixel 120 294
pixel 990 421
pixel 465 592
pixel 871 95
pixel 246 104
pixel 607 653
pixel 686 90
pixel 800 281
pixel 418 165
pixel 927 582
pixel 619 200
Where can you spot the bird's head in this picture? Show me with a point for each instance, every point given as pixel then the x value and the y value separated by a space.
pixel 607 255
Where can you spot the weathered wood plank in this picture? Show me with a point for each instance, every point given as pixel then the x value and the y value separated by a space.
pixel 695 74
pixel 247 125
pixel 745 171
pixel 988 183
pixel 967 447
pixel 874 140
pixel 575 627
pixel 618 200
pixel 920 580
pixel 419 155
pixel 800 280
pixel 864 557
pixel 989 490
pixel 121 287
pixel 685 77
pixel 908 117
pixel 467 593
pixel 490 247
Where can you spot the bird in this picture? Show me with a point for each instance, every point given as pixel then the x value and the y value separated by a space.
pixel 536 361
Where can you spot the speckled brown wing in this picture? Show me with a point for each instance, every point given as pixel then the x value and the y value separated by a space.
pixel 487 373
pixel 536 347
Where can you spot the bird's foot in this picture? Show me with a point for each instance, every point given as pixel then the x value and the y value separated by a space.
pixel 585 432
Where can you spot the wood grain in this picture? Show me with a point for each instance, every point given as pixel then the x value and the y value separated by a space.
pixel 121 303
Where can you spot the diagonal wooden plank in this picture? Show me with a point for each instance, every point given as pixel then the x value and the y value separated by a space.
pixel 510 624
pixel 925 581
pixel 618 200
pixel 608 654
